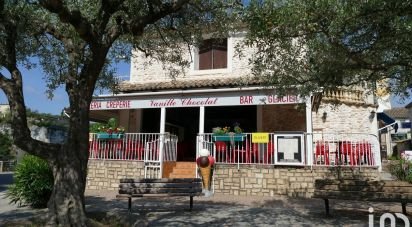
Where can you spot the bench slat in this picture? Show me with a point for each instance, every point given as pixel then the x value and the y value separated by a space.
pixel 161 180
pixel 160 185
pixel 365 188
pixel 125 196
pixel 158 190
pixel 365 196
pixel 322 182
pixel 168 194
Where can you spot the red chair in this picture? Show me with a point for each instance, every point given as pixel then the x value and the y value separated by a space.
pixel 269 154
pixel 134 150
pixel 94 148
pixel 222 152
pixel 363 152
pixel 346 152
pixel 243 153
pixel 322 153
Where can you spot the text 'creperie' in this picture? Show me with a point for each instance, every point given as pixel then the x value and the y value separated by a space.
pixel 119 104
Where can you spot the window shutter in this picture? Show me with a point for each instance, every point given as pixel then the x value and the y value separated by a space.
pixel 213 54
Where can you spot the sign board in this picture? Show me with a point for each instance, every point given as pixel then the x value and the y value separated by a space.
pixel 289 149
pixel 192 100
pixel 260 137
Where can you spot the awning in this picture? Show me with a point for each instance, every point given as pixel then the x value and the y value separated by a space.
pixel 387 120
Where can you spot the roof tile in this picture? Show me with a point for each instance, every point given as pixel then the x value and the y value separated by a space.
pixel 129 86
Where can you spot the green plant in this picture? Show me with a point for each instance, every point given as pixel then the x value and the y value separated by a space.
pixel 226 130
pixel 110 127
pixel 402 170
pixel 33 183
pixel 5 146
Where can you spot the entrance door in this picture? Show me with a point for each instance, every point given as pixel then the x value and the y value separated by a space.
pixel 184 122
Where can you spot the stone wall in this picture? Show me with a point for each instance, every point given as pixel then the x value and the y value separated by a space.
pixel 270 181
pixel 248 180
pixel 147 69
pixel 344 118
pixel 105 175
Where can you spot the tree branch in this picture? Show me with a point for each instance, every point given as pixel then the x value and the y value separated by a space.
pixel 135 26
pixel 74 17
pixel 13 88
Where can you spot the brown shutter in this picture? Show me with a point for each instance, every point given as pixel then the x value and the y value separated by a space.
pixel 205 59
pixel 213 54
pixel 219 58
pixel 205 55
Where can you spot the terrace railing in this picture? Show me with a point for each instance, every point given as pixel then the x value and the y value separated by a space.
pixel 133 146
pixel 346 149
pixel 339 149
pixel 238 149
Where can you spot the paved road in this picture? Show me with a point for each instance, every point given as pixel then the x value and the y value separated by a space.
pixel 11 212
pixel 218 210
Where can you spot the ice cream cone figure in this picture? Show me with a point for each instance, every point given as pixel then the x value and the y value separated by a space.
pixel 205 172
pixel 205 163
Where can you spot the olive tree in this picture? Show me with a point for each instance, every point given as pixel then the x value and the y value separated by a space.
pixel 325 43
pixel 76 43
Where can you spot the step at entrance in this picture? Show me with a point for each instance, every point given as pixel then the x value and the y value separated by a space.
pixel 179 170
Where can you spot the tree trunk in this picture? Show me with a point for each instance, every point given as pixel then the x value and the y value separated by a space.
pixel 67 204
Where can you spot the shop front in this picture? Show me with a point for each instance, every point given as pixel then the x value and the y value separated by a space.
pixel 165 128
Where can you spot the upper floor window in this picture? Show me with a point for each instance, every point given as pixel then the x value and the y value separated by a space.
pixel 405 124
pixel 213 54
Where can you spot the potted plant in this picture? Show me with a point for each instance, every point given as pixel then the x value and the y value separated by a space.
pixel 111 130
pixel 225 134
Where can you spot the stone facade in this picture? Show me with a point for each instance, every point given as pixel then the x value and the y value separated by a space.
pixel 345 118
pixel 228 179
pixel 146 69
pixel 105 174
pixel 270 181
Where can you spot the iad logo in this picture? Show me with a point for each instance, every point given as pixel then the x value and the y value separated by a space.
pixel 391 217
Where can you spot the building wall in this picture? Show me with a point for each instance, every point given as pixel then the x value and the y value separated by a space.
pixel 228 179
pixel 105 175
pixel 277 118
pixel 146 69
pixel 344 118
pixel 270 181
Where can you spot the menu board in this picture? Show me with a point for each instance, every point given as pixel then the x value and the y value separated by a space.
pixel 289 149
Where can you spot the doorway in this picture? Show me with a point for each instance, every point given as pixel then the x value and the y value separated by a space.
pixel 184 122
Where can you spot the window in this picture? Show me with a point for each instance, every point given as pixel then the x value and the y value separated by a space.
pixel 405 124
pixel 213 54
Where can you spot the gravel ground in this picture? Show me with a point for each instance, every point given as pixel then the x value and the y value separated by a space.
pixel 217 210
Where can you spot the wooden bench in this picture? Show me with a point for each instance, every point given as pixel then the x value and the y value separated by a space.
pixel 165 187
pixel 377 191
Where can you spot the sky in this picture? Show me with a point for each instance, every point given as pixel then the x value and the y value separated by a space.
pixel 34 87
pixel 34 90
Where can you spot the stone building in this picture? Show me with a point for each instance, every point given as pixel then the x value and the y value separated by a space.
pixel 304 138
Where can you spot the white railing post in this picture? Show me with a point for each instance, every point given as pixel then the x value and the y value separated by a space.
pixel 1 166
pixel 162 138
pixel 377 157
pixel 309 135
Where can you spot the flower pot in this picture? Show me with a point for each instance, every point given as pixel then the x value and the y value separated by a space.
pixel 229 137
pixel 110 135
